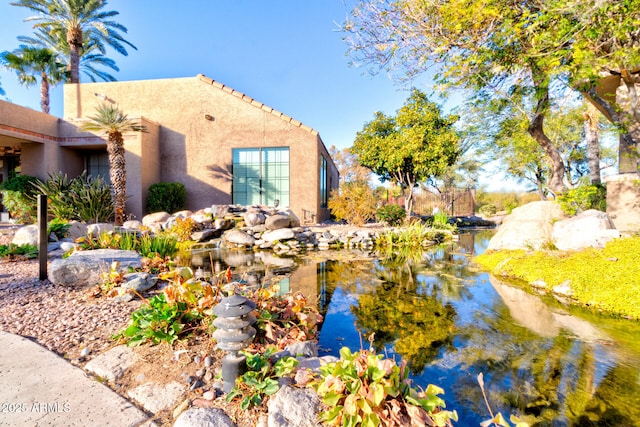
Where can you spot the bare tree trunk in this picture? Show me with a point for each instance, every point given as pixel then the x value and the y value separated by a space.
pixel 593 143
pixel 536 130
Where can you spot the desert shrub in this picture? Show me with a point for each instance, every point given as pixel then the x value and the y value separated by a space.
pixel 182 228
pixel 354 203
pixel 582 198
pixel 166 197
pixel 91 199
pixel 391 214
pixel 488 210
pixel 19 197
pixel 57 188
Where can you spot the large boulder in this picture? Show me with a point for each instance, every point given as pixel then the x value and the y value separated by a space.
pixel 83 268
pixel 27 235
pixel 278 235
pixel 99 228
pixel 278 221
pixel 77 230
pixel 591 228
pixel 528 227
pixel 155 218
pixel 239 237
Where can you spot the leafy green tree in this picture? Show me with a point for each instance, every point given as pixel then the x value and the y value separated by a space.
pixel 78 22
pixel 498 49
pixel 415 145
pixel 92 61
pixel 31 63
pixel 112 122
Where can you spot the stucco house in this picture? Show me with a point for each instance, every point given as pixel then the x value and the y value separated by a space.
pixel 224 146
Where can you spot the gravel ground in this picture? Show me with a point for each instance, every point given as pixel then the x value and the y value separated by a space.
pixel 64 320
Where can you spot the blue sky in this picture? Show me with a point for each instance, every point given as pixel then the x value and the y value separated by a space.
pixel 287 54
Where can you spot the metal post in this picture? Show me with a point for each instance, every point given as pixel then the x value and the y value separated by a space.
pixel 43 238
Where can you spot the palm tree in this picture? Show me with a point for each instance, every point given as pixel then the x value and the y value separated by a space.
pixel 29 63
pixel 90 56
pixel 78 21
pixel 112 122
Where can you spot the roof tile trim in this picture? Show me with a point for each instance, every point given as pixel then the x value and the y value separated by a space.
pixel 256 103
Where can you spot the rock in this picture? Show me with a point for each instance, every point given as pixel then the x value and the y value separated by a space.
pixel 155 218
pixel 306 349
pixel 591 228
pixel 294 407
pixel 27 235
pixel 219 211
pixel 139 281
pixel 76 230
pixel 132 224
pixel 155 397
pixel 279 235
pixel 294 221
pixel 254 217
pixel 223 224
pixel 67 246
pixel 112 364
pixel 239 237
pixel 99 228
pixel 204 417
pixel 83 268
pixel 183 214
pixel 205 235
pixel 277 221
pixel 528 227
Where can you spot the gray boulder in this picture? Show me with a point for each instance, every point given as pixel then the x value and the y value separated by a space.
pixel 279 234
pixel 139 281
pixel 27 235
pixel 76 230
pixel 591 228
pixel 204 417
pixel 83 268
pixel 238 237
pixel 98 228
pixel 528 227
pixel 277 221
pixel 155 218
pixel 254 217
pixel 294 407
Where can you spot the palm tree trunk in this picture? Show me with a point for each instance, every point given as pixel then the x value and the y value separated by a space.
pixel 44 93
pixel 118 175
pixel 74 38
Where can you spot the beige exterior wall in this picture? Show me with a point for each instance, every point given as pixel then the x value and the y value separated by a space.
pixel 623 201
pixel 199 122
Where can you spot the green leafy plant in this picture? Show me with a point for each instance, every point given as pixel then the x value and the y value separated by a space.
pixel 261 378
pixel 161 245
pixel 91 199
pixel 13 251
pixel 112 278
pixel 414 236
pixel 156 321
pixel 440 221
pixel 488 210
pixel 19 197
pixel 583 198
pixel 391 214
pixel 166 197
pixel 57 188
pixel 58 227
pixel 363 389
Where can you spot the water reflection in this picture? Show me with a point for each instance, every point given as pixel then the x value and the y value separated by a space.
pixel 451 322
pixel 552 365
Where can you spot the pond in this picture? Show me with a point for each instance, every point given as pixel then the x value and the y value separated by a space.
pixel 552 364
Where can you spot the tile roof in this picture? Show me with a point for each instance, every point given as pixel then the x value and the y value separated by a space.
pixel 256 103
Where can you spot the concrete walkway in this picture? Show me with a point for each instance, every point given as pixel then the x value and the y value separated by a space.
pixel 38 388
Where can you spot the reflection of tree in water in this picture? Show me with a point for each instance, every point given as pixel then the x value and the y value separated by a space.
pixel 401 311
pixel 535 378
